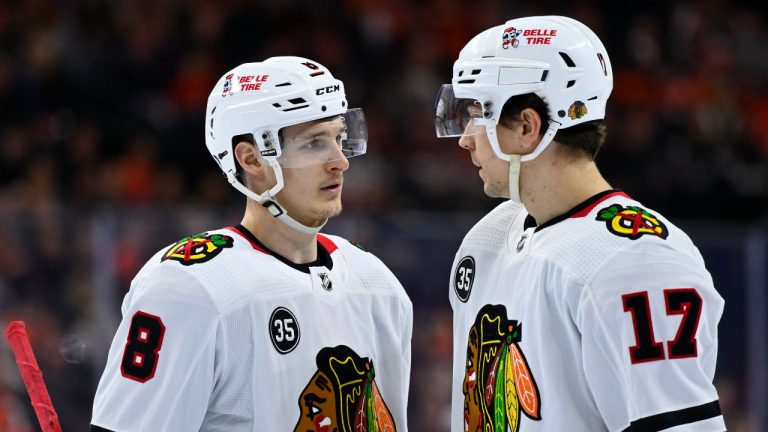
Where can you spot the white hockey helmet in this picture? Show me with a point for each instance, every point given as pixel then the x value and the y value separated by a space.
pixel 558 58
pixel 261 99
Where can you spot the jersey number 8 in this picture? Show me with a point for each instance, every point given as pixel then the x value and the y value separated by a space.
pixel 140 356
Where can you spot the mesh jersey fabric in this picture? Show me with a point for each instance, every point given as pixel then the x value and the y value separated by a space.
pixel 219 367
pixel 562 292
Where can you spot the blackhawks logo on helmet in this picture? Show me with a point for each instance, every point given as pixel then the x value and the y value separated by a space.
pixel 342 396
pixel 577 110
pixel 198 248
pixel 498 384
pixel 632 222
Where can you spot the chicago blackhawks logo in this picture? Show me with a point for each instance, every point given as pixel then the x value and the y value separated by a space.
pixel 342 396
pixel 577 110
pixel 631 222
pixel 198 248
pixel 498 384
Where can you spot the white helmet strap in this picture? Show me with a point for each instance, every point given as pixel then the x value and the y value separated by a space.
pixel 516 160
pixel 549 135
pixel 268 201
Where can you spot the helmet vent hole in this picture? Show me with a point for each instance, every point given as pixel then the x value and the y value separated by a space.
pixel 283 84
pixel 318 73
pixel 461 72
pixel 544 75
pixel 467 81
pixel 570 84
pixel 567 60
pixel 297 101
pixel 276 105
pixel 592 98
pixel 475 71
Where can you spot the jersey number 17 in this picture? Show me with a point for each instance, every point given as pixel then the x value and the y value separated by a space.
pixel 679 301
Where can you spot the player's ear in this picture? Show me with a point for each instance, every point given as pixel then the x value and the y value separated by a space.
pixel 530 129
pixel 249 159
pixel 521 135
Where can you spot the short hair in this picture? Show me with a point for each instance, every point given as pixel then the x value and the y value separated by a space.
pixel 587 137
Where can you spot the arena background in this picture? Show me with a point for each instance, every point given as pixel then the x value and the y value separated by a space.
pixel 102 159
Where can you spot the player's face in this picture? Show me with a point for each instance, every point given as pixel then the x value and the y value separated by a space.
pixel 493 171
pixel 473 418
pixel 312 193
pixel 318 406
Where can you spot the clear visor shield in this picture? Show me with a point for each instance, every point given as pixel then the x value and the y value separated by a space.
pixel 325 140
pixel 456 117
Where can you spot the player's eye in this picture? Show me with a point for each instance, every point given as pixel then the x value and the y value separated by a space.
pixel 313 144
pixel 469 363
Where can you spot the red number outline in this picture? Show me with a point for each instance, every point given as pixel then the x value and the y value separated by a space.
pixel 136 339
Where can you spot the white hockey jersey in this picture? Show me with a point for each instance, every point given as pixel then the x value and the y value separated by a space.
pixel 603 319
pixel 221 334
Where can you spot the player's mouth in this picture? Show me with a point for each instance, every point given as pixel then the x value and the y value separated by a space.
pixel 333 187
pixel 472 378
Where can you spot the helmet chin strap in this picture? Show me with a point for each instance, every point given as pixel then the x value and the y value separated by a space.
pixel 516 160
pixel 514 178
pixel 268 201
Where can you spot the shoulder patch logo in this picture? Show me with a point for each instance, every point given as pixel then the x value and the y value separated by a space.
pixel 464 277
pixel 198 248
pixel 357 245
pixel 343 396
pixel 632 222
pixel 498 384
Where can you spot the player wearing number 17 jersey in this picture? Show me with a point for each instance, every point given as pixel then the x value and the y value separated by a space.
pixel 267 325
pixel 576 308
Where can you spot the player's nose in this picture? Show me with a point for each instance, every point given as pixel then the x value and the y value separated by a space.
pixel 467 142
pixel 339 163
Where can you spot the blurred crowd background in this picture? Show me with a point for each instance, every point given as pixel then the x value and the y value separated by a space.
pixel 103 161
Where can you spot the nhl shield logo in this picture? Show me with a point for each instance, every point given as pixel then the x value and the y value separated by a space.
pixel 325 281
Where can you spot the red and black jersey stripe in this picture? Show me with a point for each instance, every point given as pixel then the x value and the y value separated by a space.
pixel 675 418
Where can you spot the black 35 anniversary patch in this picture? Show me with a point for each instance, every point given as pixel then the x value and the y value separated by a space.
pixel 198 248
pixel 463 278
pixel 284 330
pixel 632 222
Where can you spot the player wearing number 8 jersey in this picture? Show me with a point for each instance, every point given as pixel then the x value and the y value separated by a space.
pixel 575 307
pixel 267 325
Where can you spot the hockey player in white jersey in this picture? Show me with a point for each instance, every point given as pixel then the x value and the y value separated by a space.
pixel 267 325
pixel 576 308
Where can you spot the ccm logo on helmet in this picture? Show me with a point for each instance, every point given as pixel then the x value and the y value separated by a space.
pixel 329 89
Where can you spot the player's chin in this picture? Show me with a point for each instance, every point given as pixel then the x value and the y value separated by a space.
pixel 330 210
pixel 496 189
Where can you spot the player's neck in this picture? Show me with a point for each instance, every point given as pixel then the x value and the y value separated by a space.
pixel 295 246
pixel 554 183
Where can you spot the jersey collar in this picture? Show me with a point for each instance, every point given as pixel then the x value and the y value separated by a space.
pixel 325 247
pixel 579 211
